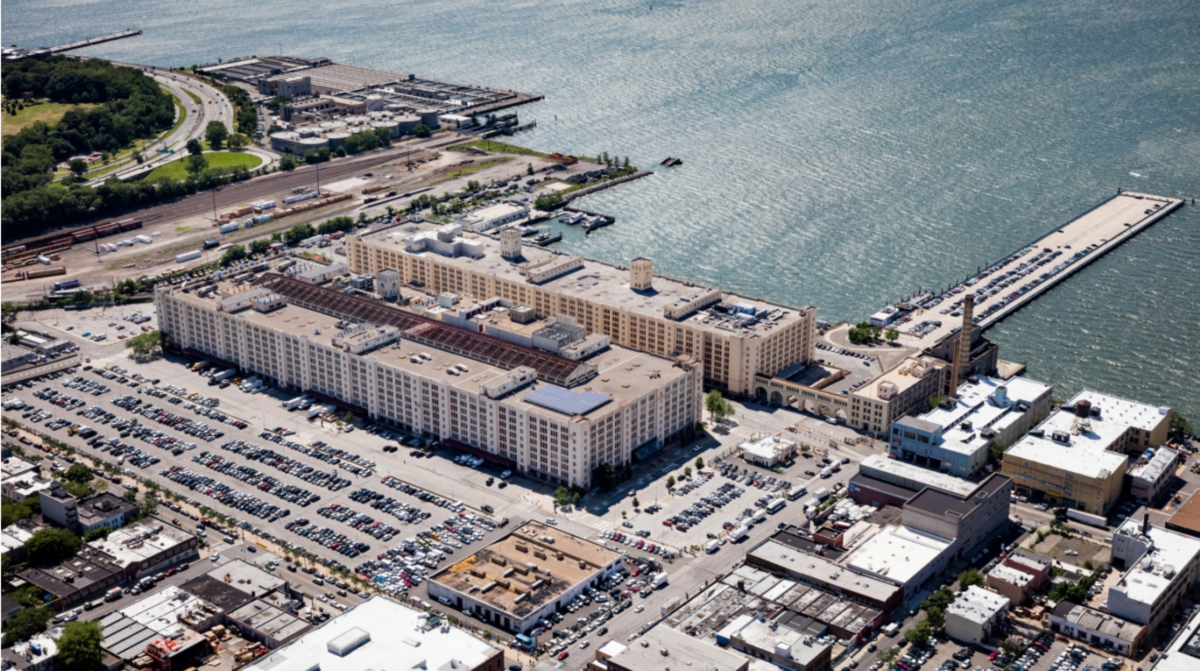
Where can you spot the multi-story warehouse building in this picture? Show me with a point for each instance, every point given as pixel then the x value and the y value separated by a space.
pixel 1161 569
pixel 1078 456
pixel 526 408
pixel 734 337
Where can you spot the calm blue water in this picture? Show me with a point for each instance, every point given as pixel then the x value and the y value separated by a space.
pixel 838 154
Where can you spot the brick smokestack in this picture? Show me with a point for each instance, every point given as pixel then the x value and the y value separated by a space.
pixel 962 354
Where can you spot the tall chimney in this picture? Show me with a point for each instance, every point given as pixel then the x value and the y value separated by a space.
pixel 1146 524
pixel 962 354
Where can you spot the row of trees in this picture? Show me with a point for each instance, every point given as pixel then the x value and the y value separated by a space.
pixel 130 106
pixel 718 408
pixel 864 333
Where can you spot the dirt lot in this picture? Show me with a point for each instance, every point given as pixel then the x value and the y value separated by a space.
pixel 1057 547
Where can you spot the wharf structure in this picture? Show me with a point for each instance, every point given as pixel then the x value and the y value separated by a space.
pixel 525 408
pixel 733 336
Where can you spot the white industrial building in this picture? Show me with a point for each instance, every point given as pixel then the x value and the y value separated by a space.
pixel 955 437
pixel 769 451
pixel 974 614
pixel 493 216
pixel 1161 569
pixel 1097 629
pixel 1152 473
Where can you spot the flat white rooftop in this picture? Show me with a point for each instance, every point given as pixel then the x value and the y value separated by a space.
pixel 379 634
pixel 139 542
pixel 824 571
pixel 1088 452
pixel 977 604
pixel 897 554
pixel 1011 575
pixel 1169 553
pixel 914 477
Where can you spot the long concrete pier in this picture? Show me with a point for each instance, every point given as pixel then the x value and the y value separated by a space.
pixel 22 54
pixel 1016 280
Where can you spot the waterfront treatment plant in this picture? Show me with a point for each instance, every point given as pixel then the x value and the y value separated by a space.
pixel 327 102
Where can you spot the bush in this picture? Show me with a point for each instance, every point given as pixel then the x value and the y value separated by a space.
pixel 25 624
pixel 48 546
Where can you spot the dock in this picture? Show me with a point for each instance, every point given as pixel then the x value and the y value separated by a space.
pixel 1021 277
pixel 22 54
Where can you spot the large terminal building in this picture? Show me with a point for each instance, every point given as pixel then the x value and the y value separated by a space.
pixel 734 337
pixel 527 408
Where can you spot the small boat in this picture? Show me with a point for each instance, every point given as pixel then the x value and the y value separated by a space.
pixel 527 231
pixel 596 222
pixel 547 239
pixel 572 218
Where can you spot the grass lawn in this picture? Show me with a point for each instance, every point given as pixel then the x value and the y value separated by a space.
pixel 220 159
pixel 471 169
pixel 44 111
pixel 195 98
pixel 499 148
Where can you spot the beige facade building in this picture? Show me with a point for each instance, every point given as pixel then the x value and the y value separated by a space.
pixel 733 336
pixel 540 413
pixel 1078 456
pixel 904 390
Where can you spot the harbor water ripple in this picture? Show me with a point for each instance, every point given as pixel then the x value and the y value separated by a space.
pixel 835 154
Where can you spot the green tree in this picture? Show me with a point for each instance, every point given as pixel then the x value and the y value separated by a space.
pixel 422 131
pixel 887 656
pixel 1178 426
pixel 195 164
pixel 12 511
pixel 79 473
pixel 891 335
pixel 548 201
pixel 216 133
pixel 920 634
pixel 233 254
pixel 687 472
pixel 78 166
pixel 670 482
pixel 969 577
pixel 145 344
pixel 577 498
pixel 48 546
pixel 699 463
pixel 79 645
pixel 194 147
pixel 936 616
pixel 8 311
pixel 95 534
pixel 260 246
pixel 148 506
pixel 718 408
pixel 562 496
pixel 130 495
pixel 636 504
pixel 83 298
pixel 287 163
pixel 25 624
pixel 318 155
pixel 528 168
pixel 605 476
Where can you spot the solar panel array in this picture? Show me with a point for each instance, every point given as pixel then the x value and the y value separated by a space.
pixel 477 346
pixel 566 401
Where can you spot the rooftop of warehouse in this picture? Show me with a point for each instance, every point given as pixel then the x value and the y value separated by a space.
pixel 598 281
pixel 559 565
pixel 1107 624
pixel 977 604
pixel 621 373
pixel 939 503
pixel 1152 574
pixel 379 634
pixel 681 652
pixel 902 376
pixel 1089 452
pixel 1187 517
pixel 897 553
pixel 141 541
pixel 819 569
pixel 924 477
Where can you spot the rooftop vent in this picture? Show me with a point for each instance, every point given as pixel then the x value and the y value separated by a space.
pixel 348 642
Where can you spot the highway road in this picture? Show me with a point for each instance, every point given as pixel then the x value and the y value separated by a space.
pixel 213 106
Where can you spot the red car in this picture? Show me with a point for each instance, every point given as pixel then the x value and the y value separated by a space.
pixel 564 654
pixel 667 523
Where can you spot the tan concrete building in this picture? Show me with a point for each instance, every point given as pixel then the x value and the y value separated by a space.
pixel 733 336
pixel 1078 456
pixel 904 390
pixel 539 413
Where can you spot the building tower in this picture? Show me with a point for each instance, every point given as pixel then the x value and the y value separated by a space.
pixel 962 354
pixel 641 274
pixel 510 243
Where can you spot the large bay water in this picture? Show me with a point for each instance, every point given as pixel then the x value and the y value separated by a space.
pixel 839 153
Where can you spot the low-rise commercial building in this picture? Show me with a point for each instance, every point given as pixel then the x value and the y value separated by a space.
pixel 1016 585
pixel 974 614
pixel 780 558
pixel 1097 629
pixel 382 634
pixel 493 216
pixel 783 642
pixel 86 576
pixel 538 413
pixel 1036 565
pixel 520 579
pixel 1161 569
pixel 1152 473
pixel 1077 457
pixel 147 548
pixel 912 478
pixel 662 647
pixel 21 479
pixel 39 653
pixel 904 390
pixel 102 510
pixel 1183 652
pixel 769 451
pixel 956 436
pixel 266 623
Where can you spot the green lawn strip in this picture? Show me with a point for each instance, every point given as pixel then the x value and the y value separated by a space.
pixel 499 148
pixel 221 159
